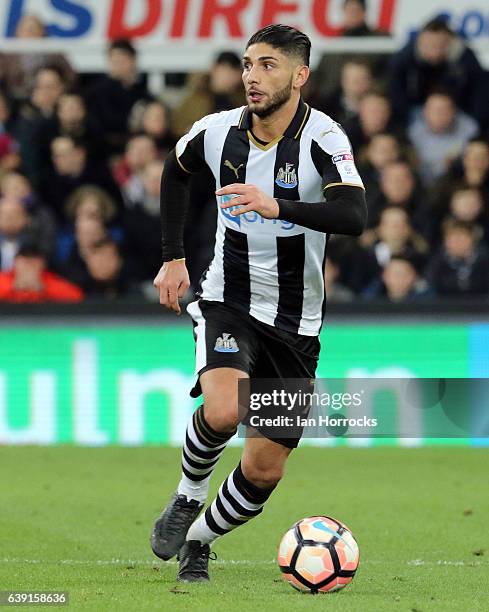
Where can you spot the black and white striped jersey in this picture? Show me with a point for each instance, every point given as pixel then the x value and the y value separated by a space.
pixel 270 268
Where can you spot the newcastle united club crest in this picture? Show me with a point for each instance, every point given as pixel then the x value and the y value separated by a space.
pixel 287 178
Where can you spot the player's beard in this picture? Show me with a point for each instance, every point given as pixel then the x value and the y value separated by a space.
pixel 278 99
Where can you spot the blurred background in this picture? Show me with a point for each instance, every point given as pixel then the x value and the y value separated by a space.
pixel 93 95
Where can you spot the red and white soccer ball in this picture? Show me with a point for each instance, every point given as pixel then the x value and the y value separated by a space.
pixel 318 555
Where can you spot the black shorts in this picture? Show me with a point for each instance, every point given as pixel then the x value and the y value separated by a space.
pixel 228 338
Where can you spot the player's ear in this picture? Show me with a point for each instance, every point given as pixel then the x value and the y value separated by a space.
pixel 301 75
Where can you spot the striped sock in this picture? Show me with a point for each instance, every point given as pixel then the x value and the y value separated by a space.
pixel 201 451
pixel 237 501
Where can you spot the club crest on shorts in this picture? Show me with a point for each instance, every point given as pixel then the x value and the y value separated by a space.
pixel 287 178
pixel 226 344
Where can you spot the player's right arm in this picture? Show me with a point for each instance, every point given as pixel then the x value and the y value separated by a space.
pixel 172 281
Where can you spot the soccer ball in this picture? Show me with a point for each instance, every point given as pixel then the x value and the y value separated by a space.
pixel 318 554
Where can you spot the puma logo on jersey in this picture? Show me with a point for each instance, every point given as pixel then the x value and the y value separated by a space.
pixel 235 169
pixel 330 131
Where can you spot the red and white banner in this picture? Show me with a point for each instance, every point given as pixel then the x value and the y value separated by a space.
pixel 185 34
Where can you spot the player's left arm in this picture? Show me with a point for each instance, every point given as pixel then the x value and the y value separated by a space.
pixel 343 212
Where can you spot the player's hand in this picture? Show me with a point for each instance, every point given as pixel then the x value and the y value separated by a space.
pixel 172 282
pixel 248 198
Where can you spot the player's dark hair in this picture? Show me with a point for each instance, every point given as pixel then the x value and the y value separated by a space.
pixel 123 44
pixel 285 38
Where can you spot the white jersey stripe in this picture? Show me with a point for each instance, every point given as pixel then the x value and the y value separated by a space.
pixel 261 245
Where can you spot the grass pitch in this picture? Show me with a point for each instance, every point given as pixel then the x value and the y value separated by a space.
pixel 79 520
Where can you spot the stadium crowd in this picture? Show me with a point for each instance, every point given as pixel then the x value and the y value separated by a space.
pixel 81 158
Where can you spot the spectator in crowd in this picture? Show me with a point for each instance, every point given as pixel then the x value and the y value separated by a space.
pixel 16 186
pixel 468 206
pixel 465 204
pixel 396 236
pixel 87 202
pixel 471 171
pixel 326 77
pixel 71 119
pixel 88 232
pixel 15 230
pixel 398 187
pixel 356 80
pixel 140 151
pixel 113 95
pixel 9 147
pixel 142 226
pixel 221 89
pixel 439 134
pixel 335 290
pixel 436 58
pixel 31 281
pixel 108 275
pixel 357 264
pixel 383 149
pixel 374 117
pixel 461 267
pixel 354 21
pixel 152 119
pixel 49 85
pixel 399 282
pixel 72 169
pixel 18 70
pixel 8 116
pixel 476 164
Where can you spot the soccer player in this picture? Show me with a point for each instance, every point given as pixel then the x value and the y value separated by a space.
pixel 285 180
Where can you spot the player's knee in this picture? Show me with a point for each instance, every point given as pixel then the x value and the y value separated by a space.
pixel 222 416
pixel 262 476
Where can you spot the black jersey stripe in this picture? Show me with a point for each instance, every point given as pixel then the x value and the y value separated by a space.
pixel 290 267
pixel 324 165
pixel 286 170
pixel 193 158
pixel 234 157
pixel 237 284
